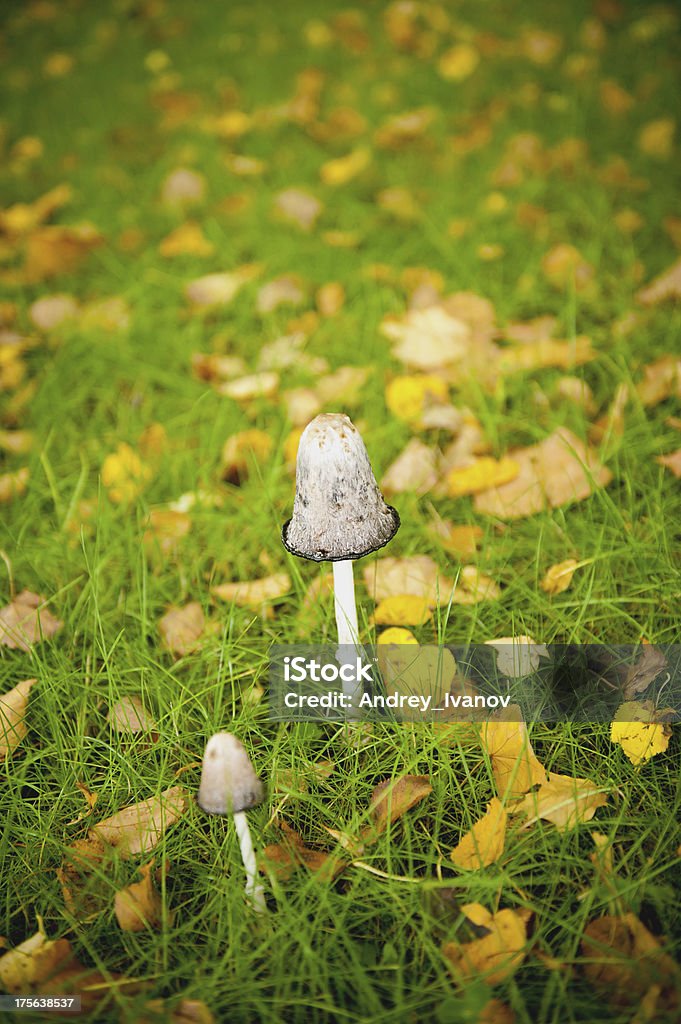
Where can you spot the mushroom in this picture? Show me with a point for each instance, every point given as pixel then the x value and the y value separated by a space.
pixel 339 513
pixel 229 785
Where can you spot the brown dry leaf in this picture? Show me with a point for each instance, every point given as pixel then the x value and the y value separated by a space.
pixel 427 339
pixel 343 169
pixel 183 187
pixel 661 380
pixel 52 311
pixel 302 405
pixel 666 286
pixel 656 138
pixel 565 267
pixel 529 332
pixel 559 576
pixel 547 352
pixel 298 207
pixel 216 368
pixel 26 621
pixel 81 886
pixel 565 801
pixel 416 574
pixel 610 426
pixel 484 844
pixel 187 1011
pixel 129 715
pixel 496 956
pixel 414 469
pixel 578 391
pixel 183 629
pixel 393 798
pixel 16 442
pixel 671 461
pixel 344 385
pixel 139 906
pixel 13 707
pixel 36 960
pixel 221 288
pixel 186 240
pixel 243 450
pixel 58 249
pixel 472 586
pixel 140 827
pixel 254 593
pixel 554 472
pixel 283 858
pixel 514 763
pixel 625 961
pixel 405 129
pixel 615 99
pixel 645 669
pixel 164 530
pixel 330 298
pixel 13 485
pixel 460 541
pixel 254 385
pixel 285 289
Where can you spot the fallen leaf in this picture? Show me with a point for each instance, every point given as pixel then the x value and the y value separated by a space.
pixel 286 289
pixel 343 169
pixel 139 827
pixel 408 397
pixel 556 471
pixel 219 289
pixel 539 45
pixel 254 385
pixel 565 267
pixel 26 621
pixel 484 473
pixel 32 962
pixel 639 731
pixel 13 706
pixel 484 844
pixel 656 138
pixel 344 385
pixel 514 764
pixel 52 311
pixel 183 187
pixel 298 207
pixel 254 593
pixel 139 906
pixel 244 166
pixel 23 218
pixel 215 368
pixel 124 474
pixel 129 715
pixel 182 629
pixel 671 461
pixel 559 576
pixel 494 957
pixel 405 129
pixel 283 858
pixel 394 797
pixel 302 405
pixel 79 876
pixel 242 451
pixel 112 314
pixel 187 1011
pixel 422 672
pixel 666 286
pixel 661 380
pixel 416 574
pixel 578 391
pixel 414 469
pixel 461 541
pixel 518 656
pixel 186 240
pixel 16 442
pixel 13 485
pixel 645 669
pixel 459 62
pixel 565 801
pixel 330 298
pixel 395 635
pixel 402 610
pixel 427 339
pixel 57 249
pixel 399 202
pixel 164 529
pixel 548 352
pixel 473 586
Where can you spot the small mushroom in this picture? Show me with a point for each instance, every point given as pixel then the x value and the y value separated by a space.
pixel 229 785
pixel 339 513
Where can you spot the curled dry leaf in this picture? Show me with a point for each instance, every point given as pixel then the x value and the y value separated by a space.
pixel 129 715
pixel 559 576
pixel 139 906
pixel 26 621
pixel 182 629
pixel 36 960
pixel 394 797
pixel 484 844
pixel 79 876
pixel 515 765
pixel 13 706
pixel 557 471
pixel 565 801
pixel 254 593
pixel 639 730
pixel 283 858
pixel 414 469
pixel 141 826
pixel 494 957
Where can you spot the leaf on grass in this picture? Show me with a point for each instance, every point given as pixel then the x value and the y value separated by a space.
pixel 564 267
pixel 79 876
pixel 13 706
pixel 13 485
pixel 656 138
pixel 330 298
pixel 182 629
pixel 283 858
pixel 563 800
pixel 484 844
pixel 557 471
pixel 394 797
pixel 344 168
pixel 141 826
pixel 165 528
pixel 415 672
pixel 671 461
pixel 57 249
pixel 409 396
pixel 298 207
pixel 186 240
pixel 515 765
pixel 124 474
pixel 645 669
pixel 661 380
pixel 639 731
pixel 111 314
pixel 494 957
pixel 559 576
pixel 344 385
pixel 402 610
pixel 187 1011
pixel 518 656
pixel 484 473
pixel 416 574
pixel 254 593
pixel 219 289
pixel 666 286
pixel 22 218
pixel 548 352
pixel 243 450
pixel 472 586
pixel 139 906
pixel 215 368
pixel 624 961
pixel 459 62
pixel 26 621
pixel 183 187
pixel 34 961
pixel 129 715
pixel 396 635
pixel 287 289
pixel 460 541
pixel 254 385
pixel 52 311
pixel 427 339
pixel 16 442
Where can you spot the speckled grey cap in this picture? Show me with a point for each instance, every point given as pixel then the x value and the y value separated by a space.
pixel 339 512
pixel 228 779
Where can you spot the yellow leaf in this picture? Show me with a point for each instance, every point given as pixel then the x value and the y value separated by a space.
pixel 563 800
pixel 26 621
pixel 183 628
pixel 565 267
pixel 186 240
pixel 407 396
pixel 394 797
pixel 518 656
pixel 459 62
pixel 395 635
pixel 139 827
pixel 494 957
pixel 345 168
pixel 639 735
pixel 230 125
pixel 402 609
pixel 461 541
pixel 484 843
pixel 124 474
pixel 514 763
pixel 484 473
pixel 139 905
pixel 657 138
pixel 559 577
pixel 254 593
pixel 13 707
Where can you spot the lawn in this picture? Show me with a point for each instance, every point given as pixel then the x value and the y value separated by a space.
pixel 459 218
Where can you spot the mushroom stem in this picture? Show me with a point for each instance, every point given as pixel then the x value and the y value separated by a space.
pixel 346 619
pixel 255 892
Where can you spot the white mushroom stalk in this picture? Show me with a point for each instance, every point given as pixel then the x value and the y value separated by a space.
pixel 229 785
pixel 339 515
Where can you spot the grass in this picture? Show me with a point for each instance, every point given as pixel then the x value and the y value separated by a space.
pixel 366 948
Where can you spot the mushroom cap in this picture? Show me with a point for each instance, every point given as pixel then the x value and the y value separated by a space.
pixel 228 779
pixel 339 512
